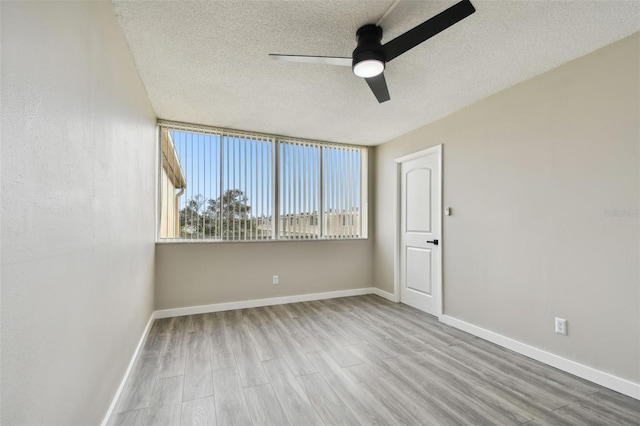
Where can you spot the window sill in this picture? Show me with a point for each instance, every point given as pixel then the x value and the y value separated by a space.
pixel 162 242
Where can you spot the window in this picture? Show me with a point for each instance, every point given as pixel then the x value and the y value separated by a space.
pixel 222 185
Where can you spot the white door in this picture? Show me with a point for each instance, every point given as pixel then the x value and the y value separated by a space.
pixel 420 244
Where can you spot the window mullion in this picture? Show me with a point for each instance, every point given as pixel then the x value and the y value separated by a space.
pixel 321 198
pixel 275 182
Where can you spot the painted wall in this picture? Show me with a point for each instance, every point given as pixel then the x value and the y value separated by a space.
pixel 535 176
pixel 193 274
pixel 78 197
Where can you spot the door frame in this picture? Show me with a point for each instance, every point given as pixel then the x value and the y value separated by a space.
pixel 396 261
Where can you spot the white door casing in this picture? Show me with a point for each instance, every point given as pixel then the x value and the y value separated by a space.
pixel 418 256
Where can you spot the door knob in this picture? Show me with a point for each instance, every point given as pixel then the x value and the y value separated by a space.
pixel 434 242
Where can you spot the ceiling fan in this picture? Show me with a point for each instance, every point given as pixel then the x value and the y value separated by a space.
pixel 370 56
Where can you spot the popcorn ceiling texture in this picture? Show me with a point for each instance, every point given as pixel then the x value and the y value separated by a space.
pixel 206 62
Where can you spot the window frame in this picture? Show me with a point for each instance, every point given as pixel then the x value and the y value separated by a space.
pixel 275 140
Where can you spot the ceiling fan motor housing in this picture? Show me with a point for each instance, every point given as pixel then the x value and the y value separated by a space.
pixel 369 45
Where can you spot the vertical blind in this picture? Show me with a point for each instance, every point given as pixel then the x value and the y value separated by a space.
pixel 299 190
pixel 222 185
pixel 341 192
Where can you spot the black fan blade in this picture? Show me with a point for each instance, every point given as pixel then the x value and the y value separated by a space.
pixel 427 29
pixel 329 60
pixel 379 88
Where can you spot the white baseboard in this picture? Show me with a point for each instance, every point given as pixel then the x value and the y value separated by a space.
pixel 141 343
pixel 255 303
pixel 384 294
pixel 607 380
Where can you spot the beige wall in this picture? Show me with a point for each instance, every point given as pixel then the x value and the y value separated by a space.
pixel 191 274
pixel 78 196
pixel 530 173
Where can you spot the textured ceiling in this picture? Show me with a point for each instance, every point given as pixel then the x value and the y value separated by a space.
pixel 206 62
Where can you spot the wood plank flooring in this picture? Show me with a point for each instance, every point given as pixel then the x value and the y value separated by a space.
pixel 350 361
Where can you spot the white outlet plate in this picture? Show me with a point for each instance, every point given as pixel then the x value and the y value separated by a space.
pixel 561 326
pixel 275 280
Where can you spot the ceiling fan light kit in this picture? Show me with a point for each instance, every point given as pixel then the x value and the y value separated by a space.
pixel 370 56
pixel 368 68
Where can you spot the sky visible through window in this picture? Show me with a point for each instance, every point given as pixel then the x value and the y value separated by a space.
pixel 247 165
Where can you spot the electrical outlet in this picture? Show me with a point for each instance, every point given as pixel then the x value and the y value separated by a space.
pixel 561 326
pixel 275 280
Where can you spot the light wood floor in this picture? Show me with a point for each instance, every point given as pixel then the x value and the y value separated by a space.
pixel 356 360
